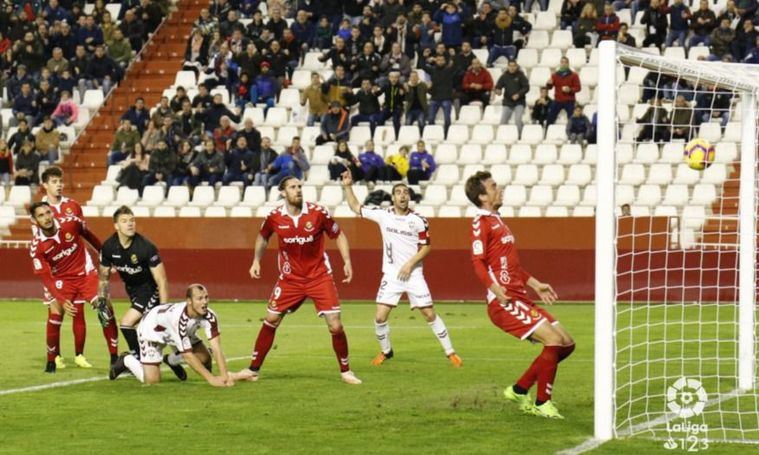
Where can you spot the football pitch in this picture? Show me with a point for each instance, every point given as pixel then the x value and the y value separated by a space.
pixel 415 403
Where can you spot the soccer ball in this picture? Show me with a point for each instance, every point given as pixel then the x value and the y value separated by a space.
pixel 699 154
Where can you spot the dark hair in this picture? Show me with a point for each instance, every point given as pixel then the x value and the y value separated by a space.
pixel 123 210
pixel 474 187
pixel 192 287
pixel 52 171
pixel 33 208
pixel 283 182
pixel 398 185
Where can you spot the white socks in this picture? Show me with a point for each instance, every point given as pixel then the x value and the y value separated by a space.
pixel 438 328
pixel 135 367
pixel 174 359
pixel 382 330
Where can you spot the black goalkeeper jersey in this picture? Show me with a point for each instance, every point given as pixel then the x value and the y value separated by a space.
pixel 133 263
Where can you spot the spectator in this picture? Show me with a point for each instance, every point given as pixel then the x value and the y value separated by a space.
pixel 239 163
pixel 216 111
pixel 134 168
pixel 179 98
pixel 624 38
pixel 520 25
pixel 654 122
pixel 396 60
pixel 608 24
pixel 6 164
pixel 578 127
pixel 528 5
pixel 22 135
pixel 162 111
pixel 482 26
pixel 366 65
pixel 655 17
pixel 48 141
pixel 730 12
pixel 702 22
pixel 279 62
pixel 292 162
pixel 202 100
pixel 25 105
pixel 251 134
pixel 570 13
pixel 66 83
pixel 397 164
pixel 303 30
pixel 514 85
pixel 337 55
pixel 46 98
pixel 67 110
pixel 335 125
pixel 426 31
pixel 713 105
pixel 102 71
pixel 566 84
pixel 266 88
pixel 753 55
pixel 223 134
pixel 138 115
pixel 119 49
pixel 682 119
pixel 17 80
pixel 90 36
pixel 625 209
pixel 421 165
pixel 316 99
pixel 163 161
pixel 721 40
pixel 27 164
pixel 502 41
pixel 65 40
pixel 380 42
pixel 344 160
pixel 372 164
pixel 451 18
pixel 368 106
pixel 196 54
pixel 585 28
pixel 208 166
pixel 395 94
pixel 323 34
pixel 541 108
pixel 477 84
pixel 262 160
pixel 337 86
pixel 416 101
pixel 80 64
pixel 442 91
pixel 679 13
pixel 745 40
pixel 57 63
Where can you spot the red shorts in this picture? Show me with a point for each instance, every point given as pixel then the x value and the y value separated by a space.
pixel 289 295
pixel 82 289
pixel 518 318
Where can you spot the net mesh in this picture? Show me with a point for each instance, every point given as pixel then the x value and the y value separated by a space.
pixel 677 251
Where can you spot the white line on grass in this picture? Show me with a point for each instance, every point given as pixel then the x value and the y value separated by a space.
pixel 592 443
pixel 55 385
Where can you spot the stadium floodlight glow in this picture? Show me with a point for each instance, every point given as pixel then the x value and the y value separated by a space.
pixel 675 291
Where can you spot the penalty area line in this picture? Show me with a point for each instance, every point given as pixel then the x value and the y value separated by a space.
pixel 55 385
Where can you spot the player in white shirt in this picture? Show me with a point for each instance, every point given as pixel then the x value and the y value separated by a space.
pixel 176 325
pixel 405 244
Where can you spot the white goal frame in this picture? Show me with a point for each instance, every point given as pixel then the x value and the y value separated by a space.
pixel 744 78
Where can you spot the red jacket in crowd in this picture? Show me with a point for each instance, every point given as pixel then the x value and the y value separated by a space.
pixel 483 78
pixel 559 80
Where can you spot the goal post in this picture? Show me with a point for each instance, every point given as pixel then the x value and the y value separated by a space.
pixel 675 290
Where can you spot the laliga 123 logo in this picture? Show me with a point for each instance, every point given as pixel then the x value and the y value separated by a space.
pixel 687 398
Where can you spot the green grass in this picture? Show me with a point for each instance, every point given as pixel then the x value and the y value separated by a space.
pixel 416 403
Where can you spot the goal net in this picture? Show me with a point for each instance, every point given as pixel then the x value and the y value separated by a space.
pixel 676 249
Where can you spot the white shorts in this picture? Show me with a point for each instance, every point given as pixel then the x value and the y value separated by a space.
pixel 151 352
pixel 391 289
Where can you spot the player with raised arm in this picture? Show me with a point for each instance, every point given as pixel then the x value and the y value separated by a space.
pixel 496 263
pixel 52 184
pixel 405 242
pixel 305 272
pixel 140 268
pixel 175 325
pixel 67 272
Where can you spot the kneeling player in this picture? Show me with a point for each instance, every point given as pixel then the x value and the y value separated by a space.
pixel 496 263
pixel 140 268
pixel 176 325
pixel 405 242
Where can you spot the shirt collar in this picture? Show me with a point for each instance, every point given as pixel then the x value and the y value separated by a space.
pixel 483 212
pixel 303 211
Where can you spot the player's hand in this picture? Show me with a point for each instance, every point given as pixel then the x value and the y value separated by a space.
pixel 217 381
pixel 546 293
pixel 255 270
pixel 348 269
pixel 405 272
pixel 105 313
pixel 69 308
pixel 229 381
pixel 347 178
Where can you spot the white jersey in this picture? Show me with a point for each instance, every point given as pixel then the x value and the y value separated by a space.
pixel 169 324
pixel 401 237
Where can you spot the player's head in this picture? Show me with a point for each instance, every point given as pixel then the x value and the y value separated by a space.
pixel 483 192
pixel 52 181
pixel 197 298
pixel 401 194
pixel 42 215
pixel 123 221
pixel 291 189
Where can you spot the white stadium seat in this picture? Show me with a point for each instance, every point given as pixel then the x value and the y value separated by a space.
pixel 527 58
pixel 89 212
pixel 318 175
pixel 276 116
pixel 570 154
pixel 584 211
pixel 514 195
pixel 545 154
pixel 492 115
pixel 255 196
pixel 448 211
pixel 126 196
pixel 672 152
pixel 433 134
pixel 102 195
pixel 553 175
pixel 660 174
pixel 446 154
pixel 289 98
pixel 470 154
pixel 501 173
pixel 625 194
pixel 409 134
pixel 494 154
pixel 540 196
pixel 526 174
pixel 331 196
pixel 676 195
pixel 360 134
pixel 529 212
pixel 704 194
pixel 152 196
pixel 164 212
pixel 241 212
pixel 710 132
pixel 447 174
pixel 458 134
pixel 665 210
pixel 725 152
pixel 589 196
pixel 562 39
pixel 506 134
pixel 435 195
pixel 568 195
pixel 343 211
pixel 229 196
pixel 556 211
pixel 685 175
pixel 202 196
pixel 647 153
pixel 579 174
pixel 469 115
pixel 285 135
pixel 93 99
pixel 185 79
pixel 633 174
pixel 482 134
pixel 538 40
pixel 215 212
pixel 716 174
pixel 550 57
pixel 649 195
pixel 520 154
pixel 532 134
pixel 458 196
pixel 189 212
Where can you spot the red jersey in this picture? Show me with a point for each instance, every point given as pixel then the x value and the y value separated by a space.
pixel 495 258
pixel 69 207
pixel 62 256
pixel 301 248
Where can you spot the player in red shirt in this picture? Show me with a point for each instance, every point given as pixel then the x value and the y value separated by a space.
pixel 52 184
pixel 304 272
pixel 68 273
pixel 495 260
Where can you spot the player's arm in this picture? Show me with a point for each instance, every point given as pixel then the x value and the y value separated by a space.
pixel 479 260
pixel 91 238
pixel 350 196
pixel 191 359
pixel 104 279
pixel 42 268
pixel 159 275
pixel 258 253
pixel 344 248
pixel 544 290
pixel 221 361
pixel 405 272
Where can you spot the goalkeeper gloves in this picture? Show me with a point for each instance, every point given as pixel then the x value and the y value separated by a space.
pixel 104 311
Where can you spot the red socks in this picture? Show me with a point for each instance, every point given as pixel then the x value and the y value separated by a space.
pixel 566 351
pixel 543 370
pixel 53 333
pixel 263 344
pixel 340 345
pixel 80 330
pixel 111 334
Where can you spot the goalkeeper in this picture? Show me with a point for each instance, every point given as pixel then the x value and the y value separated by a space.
pixel 140 267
